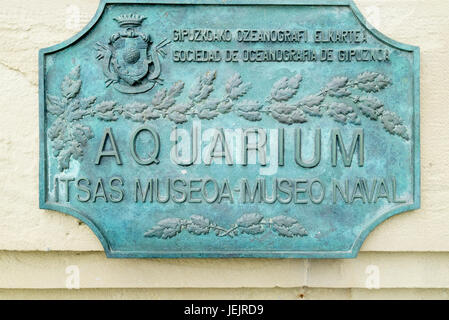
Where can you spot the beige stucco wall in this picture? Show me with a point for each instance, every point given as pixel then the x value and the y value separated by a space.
pixel 407 256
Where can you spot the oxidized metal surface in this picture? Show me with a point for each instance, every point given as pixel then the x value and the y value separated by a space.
pixel 229 129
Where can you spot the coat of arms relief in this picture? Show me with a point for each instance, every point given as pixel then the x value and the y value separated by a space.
pixel 129 61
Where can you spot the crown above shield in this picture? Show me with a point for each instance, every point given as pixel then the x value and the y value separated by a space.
pixel 130 20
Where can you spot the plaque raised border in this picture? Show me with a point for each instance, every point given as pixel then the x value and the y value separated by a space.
pixel 415 138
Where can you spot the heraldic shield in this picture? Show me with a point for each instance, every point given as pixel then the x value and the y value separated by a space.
pixel 129 62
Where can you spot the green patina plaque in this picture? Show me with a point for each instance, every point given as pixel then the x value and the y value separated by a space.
pixel 229 128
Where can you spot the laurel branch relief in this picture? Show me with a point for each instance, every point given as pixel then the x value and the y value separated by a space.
pixel 342 99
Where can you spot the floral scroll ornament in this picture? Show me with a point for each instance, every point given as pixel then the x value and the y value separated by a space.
pixel 342 99
pixel 251 224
